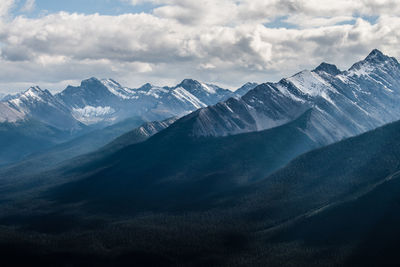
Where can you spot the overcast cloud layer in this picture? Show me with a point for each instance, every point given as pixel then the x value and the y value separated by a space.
pixel 228 42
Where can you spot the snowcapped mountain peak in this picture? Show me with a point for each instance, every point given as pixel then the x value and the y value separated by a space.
pixel 327 68
pixel 39 105
pixel 34 93
pixel 344 103
pixel 374 61
pixel 376 56
pixel 378 59
pixel 35 89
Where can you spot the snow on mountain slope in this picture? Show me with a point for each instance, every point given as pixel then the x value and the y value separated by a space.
pixel 9 114
pixel 40 105
pixel 343 103
pixel 117 89
pixel 37 120
pixel 91 92
pixel 92 115
pixel 206 93
pixel 106 101
pixel 310 83
pixel 184 96
pixel 103 102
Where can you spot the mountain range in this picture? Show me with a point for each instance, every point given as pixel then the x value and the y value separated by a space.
pixel 344 103
pixel 97 101
pixel 106 102
pixel 296 122
pixel 302 172
pixel 353 101
pixel 38 120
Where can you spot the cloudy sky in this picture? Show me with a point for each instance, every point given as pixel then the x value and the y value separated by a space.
pixel 228 42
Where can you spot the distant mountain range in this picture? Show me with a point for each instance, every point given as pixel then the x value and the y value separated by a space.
pixel 38 120
pixel 97 101
pixel 106 102
pixel 342 104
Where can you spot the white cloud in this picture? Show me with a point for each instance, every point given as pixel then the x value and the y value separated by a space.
pixel 29 6
pixel 238 11
pixel 5 6
pixel 224 41
pixel 304 21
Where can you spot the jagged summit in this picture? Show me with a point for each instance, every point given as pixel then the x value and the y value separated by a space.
pixel 328 68
pixel 375 61
pixel 146 87
pixel 344 104
pixel 35 93
pixel 106 101
pixel 189 82
pixel 376 56
pixel 34 89
pixel 91 81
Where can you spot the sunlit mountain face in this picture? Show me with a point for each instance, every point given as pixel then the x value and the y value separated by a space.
pixel 233 133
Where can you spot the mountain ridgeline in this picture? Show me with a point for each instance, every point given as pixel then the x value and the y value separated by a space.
pixel 345 103
pixel 38 120
pixel 106 102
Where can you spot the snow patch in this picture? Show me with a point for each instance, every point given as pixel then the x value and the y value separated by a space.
pixel 118 90
pixel 184 96
pixel 208 88
pixel 91 115
pixel 361 70
pixel 310 83
pixel 9 114
pixel 283 90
